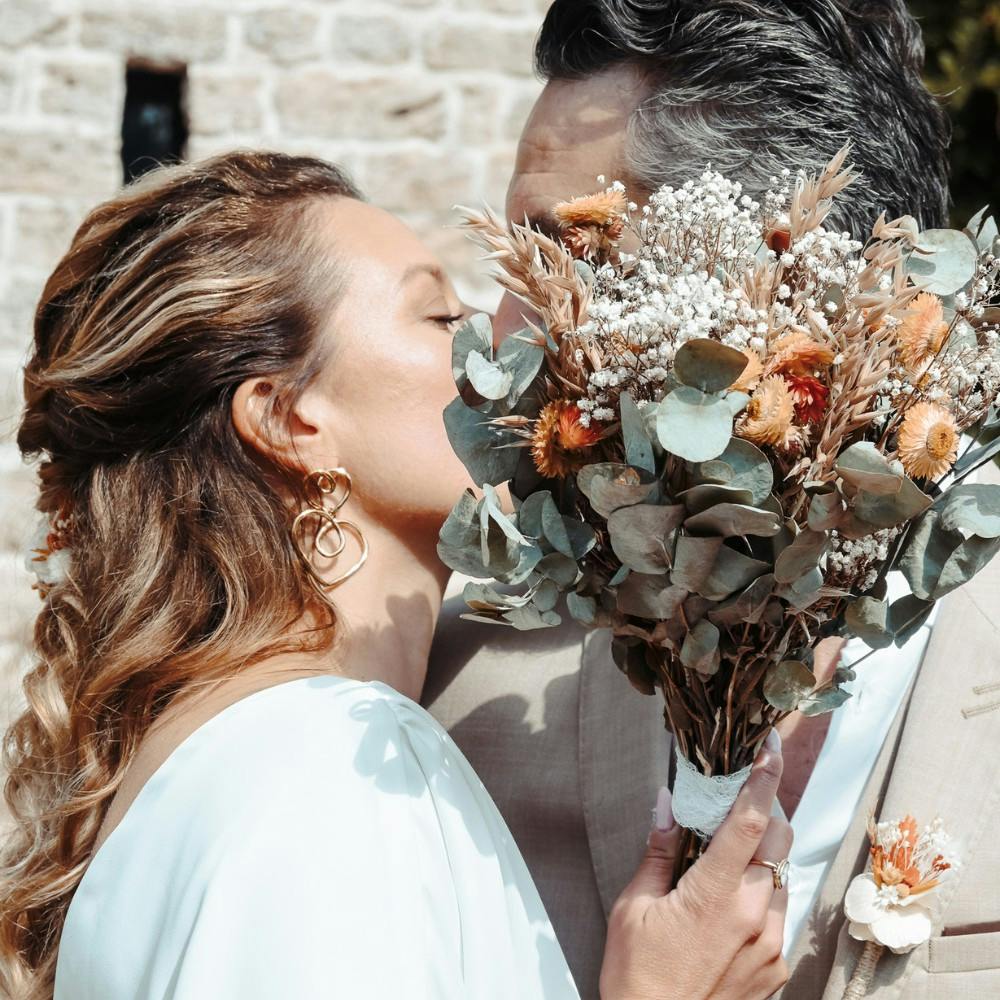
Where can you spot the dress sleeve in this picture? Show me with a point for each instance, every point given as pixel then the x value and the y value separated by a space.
pixel 334 882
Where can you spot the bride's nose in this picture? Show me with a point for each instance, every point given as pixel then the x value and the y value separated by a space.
pixel 512 316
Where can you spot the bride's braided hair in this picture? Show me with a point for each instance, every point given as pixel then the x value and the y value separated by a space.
pixel 173 293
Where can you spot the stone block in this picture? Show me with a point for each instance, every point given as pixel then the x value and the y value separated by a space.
pixel 413 182
pixel 30 22
pixel 285 35
pixel 92 91
pixel 318 103
pixel 468 45
pixel 43 230
pixel 160 34
pixel 378 39
pixel 221 103
pixel 59 164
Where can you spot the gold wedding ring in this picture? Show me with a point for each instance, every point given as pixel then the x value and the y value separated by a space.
pixel 779 871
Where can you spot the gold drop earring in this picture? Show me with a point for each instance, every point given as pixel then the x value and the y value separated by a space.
pixel 326 491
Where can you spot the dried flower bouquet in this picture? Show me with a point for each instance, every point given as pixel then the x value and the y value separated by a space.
pixel 729 424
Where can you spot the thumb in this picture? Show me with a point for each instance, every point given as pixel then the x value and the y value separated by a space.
pixel 655 874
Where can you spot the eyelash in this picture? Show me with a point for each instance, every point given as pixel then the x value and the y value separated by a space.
pixel 448 321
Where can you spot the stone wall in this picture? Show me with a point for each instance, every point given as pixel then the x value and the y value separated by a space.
pixel 422 101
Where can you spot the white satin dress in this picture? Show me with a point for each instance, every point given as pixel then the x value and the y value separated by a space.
pixel 321 838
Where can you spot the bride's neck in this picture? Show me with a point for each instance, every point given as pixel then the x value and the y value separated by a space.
pixel 387 613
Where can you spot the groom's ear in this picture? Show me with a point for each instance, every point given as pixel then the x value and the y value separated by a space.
pixel 288 433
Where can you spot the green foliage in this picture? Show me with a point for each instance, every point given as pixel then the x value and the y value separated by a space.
pixel 963 67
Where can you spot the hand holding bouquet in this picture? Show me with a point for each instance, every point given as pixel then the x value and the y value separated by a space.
pixel 729 425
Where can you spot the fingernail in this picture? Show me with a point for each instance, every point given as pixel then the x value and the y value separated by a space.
pixel 773 741
pixel 664 812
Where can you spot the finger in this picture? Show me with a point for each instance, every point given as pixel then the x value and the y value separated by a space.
pixel 741 832
pixel 775 846
pixel 655 873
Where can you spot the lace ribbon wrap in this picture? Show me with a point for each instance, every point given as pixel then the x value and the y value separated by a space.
pixel 701 803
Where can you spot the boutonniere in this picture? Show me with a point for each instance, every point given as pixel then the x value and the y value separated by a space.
pixel 891 905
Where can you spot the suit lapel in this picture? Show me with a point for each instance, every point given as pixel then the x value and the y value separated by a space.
pixel 947 762
pixel 624 757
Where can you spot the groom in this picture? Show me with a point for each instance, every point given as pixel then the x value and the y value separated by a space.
pixel 649 91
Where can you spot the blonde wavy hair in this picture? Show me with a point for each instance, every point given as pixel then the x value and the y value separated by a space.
pixel 182 571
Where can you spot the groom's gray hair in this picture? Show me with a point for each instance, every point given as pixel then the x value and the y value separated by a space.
pixel 752 86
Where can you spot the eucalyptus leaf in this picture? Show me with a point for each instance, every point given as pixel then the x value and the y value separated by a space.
pixel 803 555
pixel 640 535
pixel 928 548
pixel 638 448
pixel 747 606
pixel 559 568
pixel 582 608
pixel 694 559
pixel 943 262
pixel 480 445
pixel 865 467
pixel 630 658
pixel 708 365
pixel 977 457
pixel 971 556
pixel 907 615
pixel 694 425
pixel 483 597
pixel 554 529
pixel 805 591
pixel 826 699
pixel 867 618
pixel 732 519
pixel 973 508
pixel 890 510
pixel 487 377
pixel 475 335
pixel 731 571
pixel 787 683
pixel 520 358
pixel 706 495
pixel 737 402
pixel 610 486
pixel 700 651
pixel 546 595
pixel 461 527
pixel 648 596
pixel 528 618
pixel 826 508
pixel 741 466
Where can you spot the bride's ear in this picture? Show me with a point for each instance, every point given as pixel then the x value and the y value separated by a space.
pixel 287 433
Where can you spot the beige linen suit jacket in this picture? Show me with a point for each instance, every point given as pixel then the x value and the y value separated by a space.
pixel 574 756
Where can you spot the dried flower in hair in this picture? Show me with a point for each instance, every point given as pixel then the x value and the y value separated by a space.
pixel 602 209
pixel 922 332
pixel 560 439
pixel 797 353
pixel 811 397
pixel 928 441
pixel 770 414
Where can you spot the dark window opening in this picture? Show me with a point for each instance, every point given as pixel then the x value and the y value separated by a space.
pixel 154 127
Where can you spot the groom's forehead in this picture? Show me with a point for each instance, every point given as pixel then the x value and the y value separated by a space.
pixel 576 131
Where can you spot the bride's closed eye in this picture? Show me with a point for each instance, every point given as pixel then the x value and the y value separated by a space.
pixel 449 323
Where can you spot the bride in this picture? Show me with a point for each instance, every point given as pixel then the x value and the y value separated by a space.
pixel 221 785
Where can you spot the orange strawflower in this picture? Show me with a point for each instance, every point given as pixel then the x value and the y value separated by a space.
pixel 770 415
pixel 601 209
pixel 559 438
pixel 811 397
pixel 922 332
pixel 797 353
pixel 928 441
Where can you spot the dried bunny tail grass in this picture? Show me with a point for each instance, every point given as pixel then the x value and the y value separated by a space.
pixel 536 268
pixel 864 361
pixel 813 197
